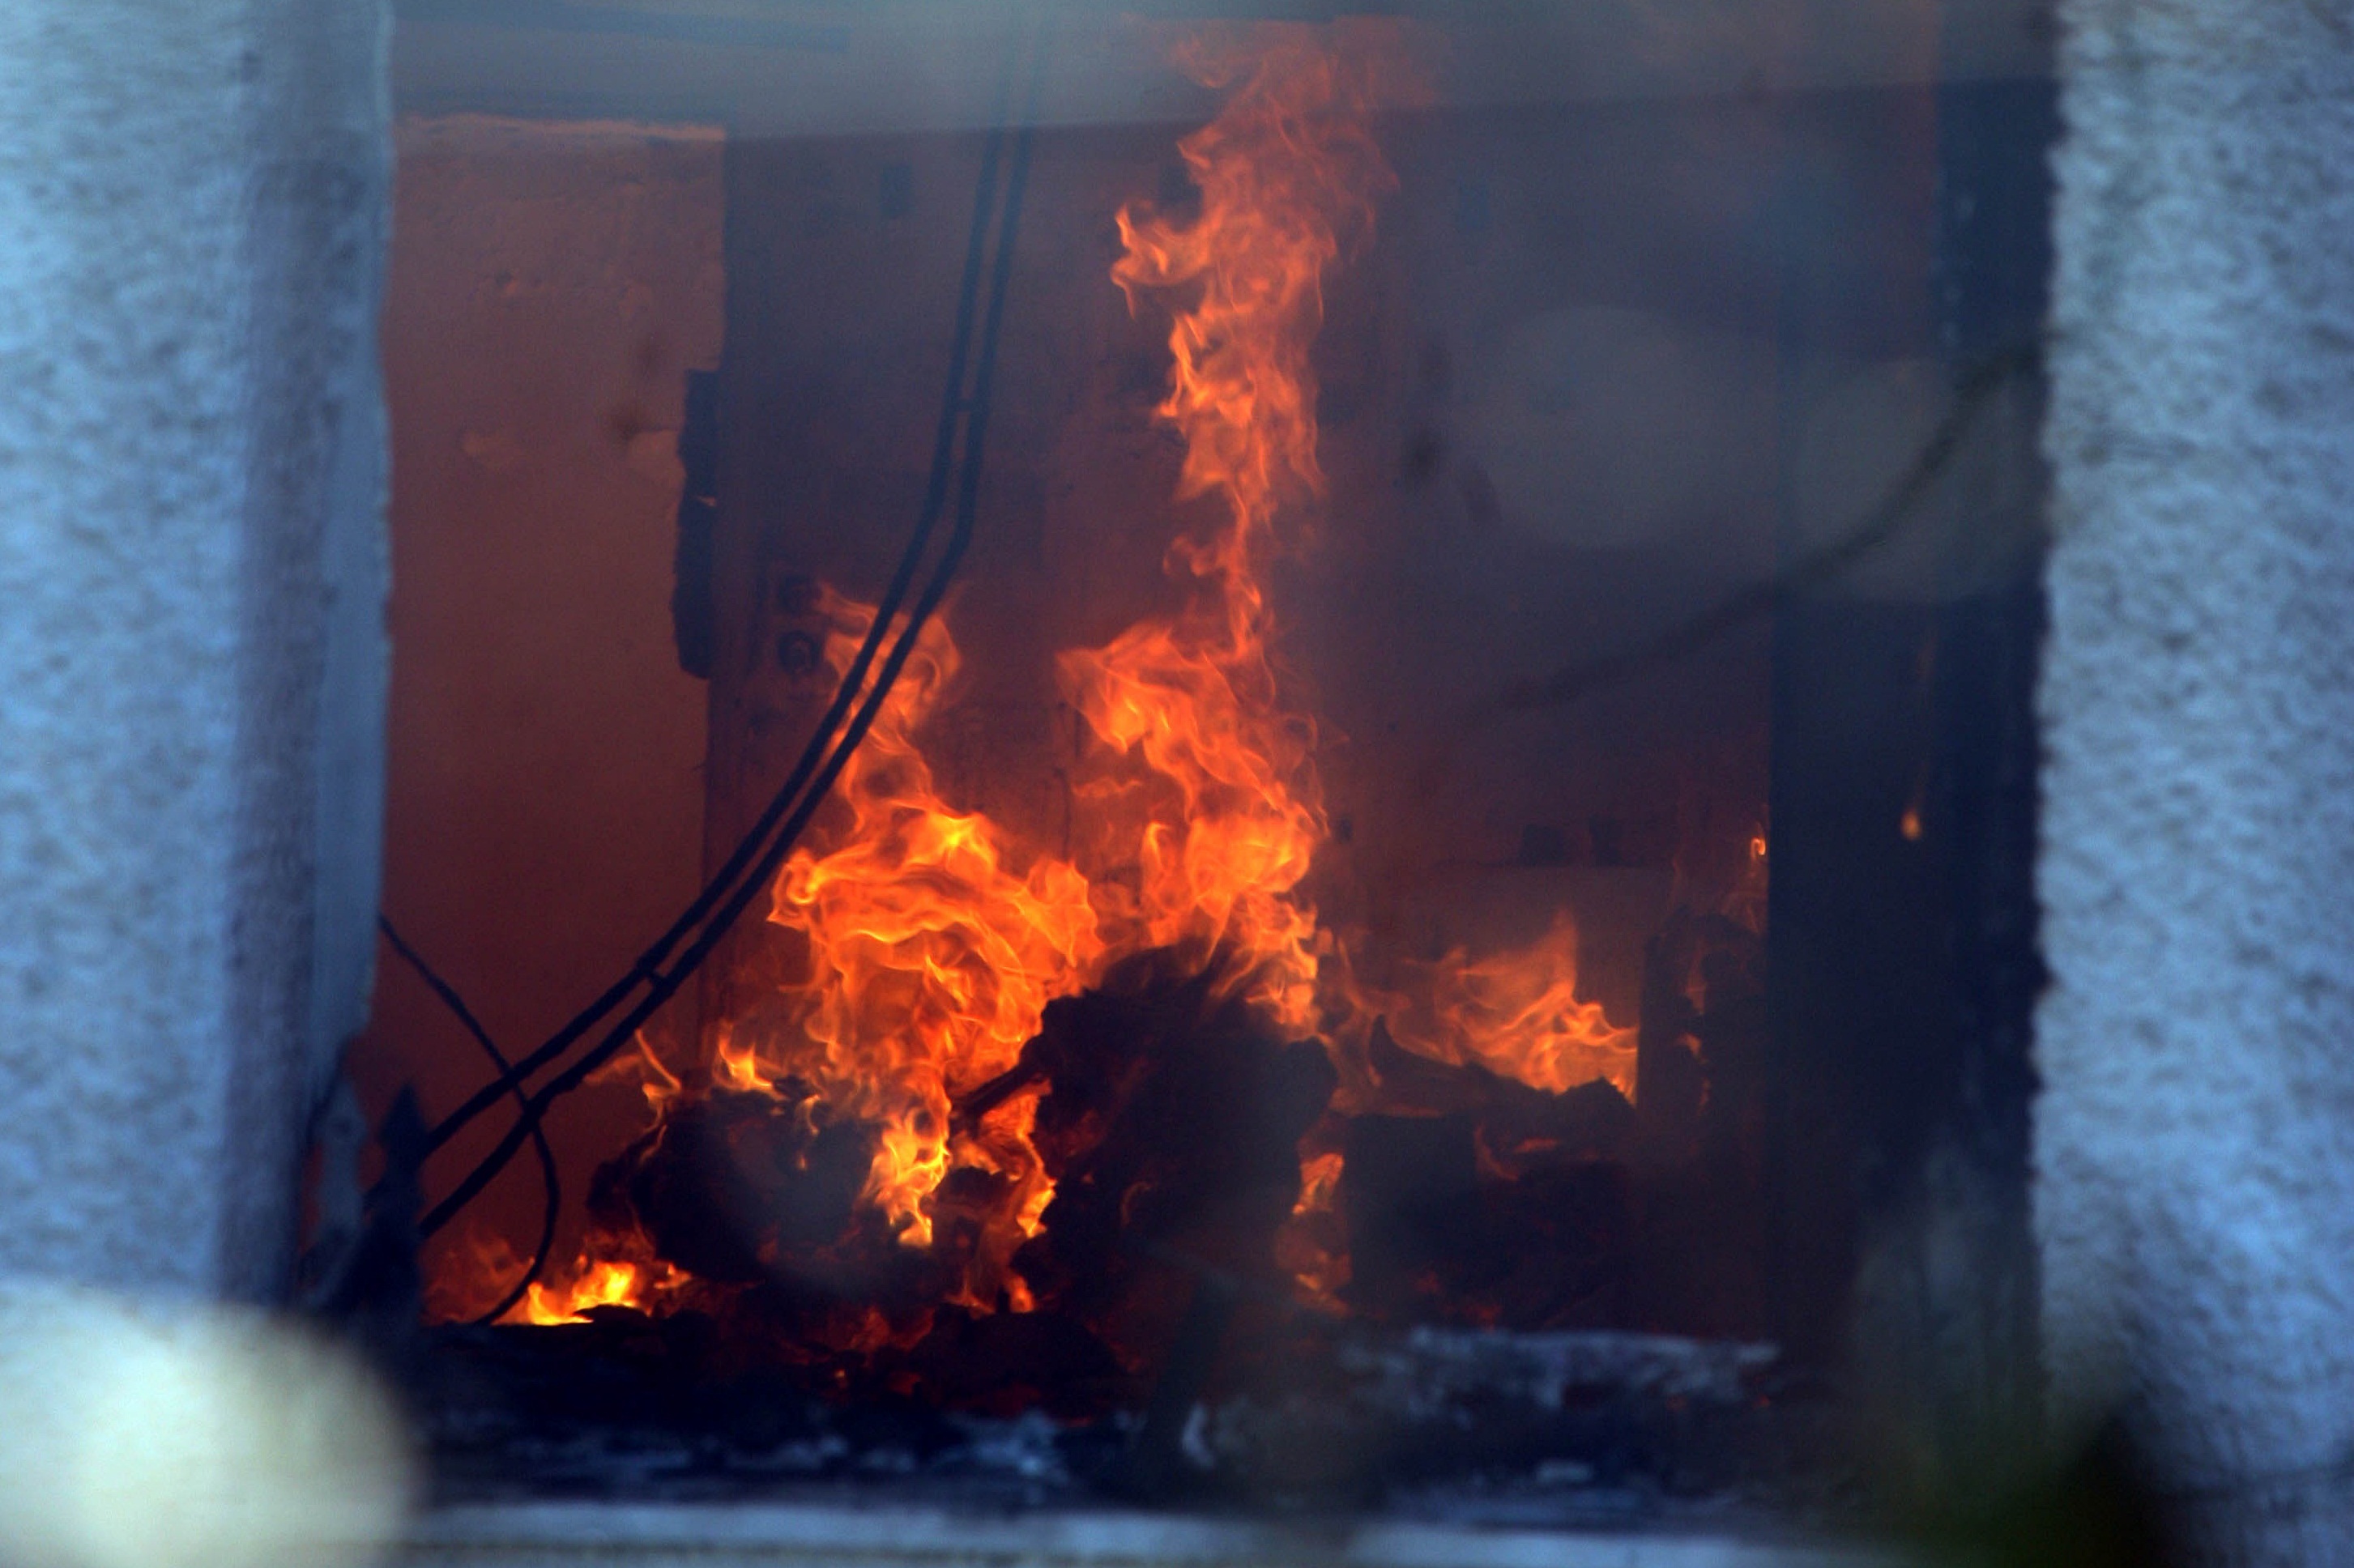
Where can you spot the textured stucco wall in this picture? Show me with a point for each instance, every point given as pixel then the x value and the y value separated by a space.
pixel 2195 1140
pixel 191 226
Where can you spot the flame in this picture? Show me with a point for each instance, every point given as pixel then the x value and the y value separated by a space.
pixel 1516 1013
pixel 643 1070
pixel 487 1265
pixel 1221 774
pixel 1313 1246
pixel 930 956
pixel 934 939
pixel 606 1282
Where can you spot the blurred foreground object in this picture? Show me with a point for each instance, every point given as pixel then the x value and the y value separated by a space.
pixel 210 1438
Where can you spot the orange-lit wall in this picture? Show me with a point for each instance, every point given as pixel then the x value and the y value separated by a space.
pixel 550 284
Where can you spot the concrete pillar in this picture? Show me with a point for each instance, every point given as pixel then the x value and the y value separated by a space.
pixel 2195 1139
pixel 192 202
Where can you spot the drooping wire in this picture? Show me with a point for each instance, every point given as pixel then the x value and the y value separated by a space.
pixel 747 849
pixel 666 983
pixel 648 966
pixel 551 1186
pixel 1974 390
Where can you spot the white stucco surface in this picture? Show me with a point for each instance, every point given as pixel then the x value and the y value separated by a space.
pixel 2195 1139
pixel 191 475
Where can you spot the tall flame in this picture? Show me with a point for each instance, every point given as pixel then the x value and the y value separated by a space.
pixel 1288 173
pixel 935 941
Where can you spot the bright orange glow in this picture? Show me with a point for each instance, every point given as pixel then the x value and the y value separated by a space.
pixel 599 1284
pixel 1218 775
pixel 930 957
pixel 1516 1014
pixel 1319 1181
pixel 480 1268
pixel 935 939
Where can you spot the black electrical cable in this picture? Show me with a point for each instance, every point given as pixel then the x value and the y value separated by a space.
pixel 667 984
pixel 647 969
pixel 648 966
pixel 976 410
pixel 456 1003
pixel 1973 389
pixel 935 590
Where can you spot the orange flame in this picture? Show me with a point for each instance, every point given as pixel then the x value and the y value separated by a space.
pixel 485 1265
pixel 930 956
pixel 1516 1014
pixel 642 1070
pixel 1223 776
pixel 935 941
pixel 597 1283
pixel 1312 1246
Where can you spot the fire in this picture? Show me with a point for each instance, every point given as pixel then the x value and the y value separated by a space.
pixel 935 940
pixel 456 1295
pixel 1517 1014
pixel 930 956
pixel 643 1070
pixel 599 1284
pixel 1222 777
pixel 1312 1246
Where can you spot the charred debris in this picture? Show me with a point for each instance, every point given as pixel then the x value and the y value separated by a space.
pixel 1473 1365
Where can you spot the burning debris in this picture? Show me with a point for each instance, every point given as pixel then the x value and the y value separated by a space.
pixel 1009 1105
pixel 1566 1428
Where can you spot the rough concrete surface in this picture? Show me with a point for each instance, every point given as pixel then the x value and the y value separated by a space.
pixel 2195 1139
pixel 191 214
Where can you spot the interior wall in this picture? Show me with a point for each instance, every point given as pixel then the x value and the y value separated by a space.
pixel 550 285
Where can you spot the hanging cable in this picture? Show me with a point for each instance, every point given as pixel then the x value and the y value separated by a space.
pixel 1974 389
pixel 648 966
pixel 666 983
pixel 552 1188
